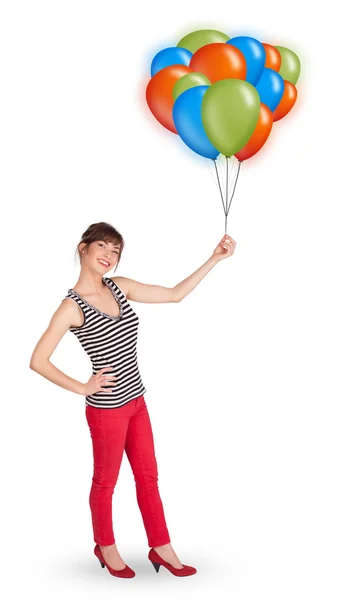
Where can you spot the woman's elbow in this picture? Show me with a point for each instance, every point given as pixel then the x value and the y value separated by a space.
pixel 32 365
pixel 35 363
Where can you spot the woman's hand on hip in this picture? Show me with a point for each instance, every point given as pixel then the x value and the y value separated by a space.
pixel 100 382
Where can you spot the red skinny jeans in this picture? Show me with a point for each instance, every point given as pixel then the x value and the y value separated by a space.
pixel 113 430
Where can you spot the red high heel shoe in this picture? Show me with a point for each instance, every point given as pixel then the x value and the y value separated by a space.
pixel 157 561
pixel 125 572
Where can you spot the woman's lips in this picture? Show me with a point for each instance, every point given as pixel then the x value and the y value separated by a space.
pixel 103 263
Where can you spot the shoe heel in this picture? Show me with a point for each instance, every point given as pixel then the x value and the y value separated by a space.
pixel 102 564
pixel 156 566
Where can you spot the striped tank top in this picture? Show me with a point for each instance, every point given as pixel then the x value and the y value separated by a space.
pixel 111 341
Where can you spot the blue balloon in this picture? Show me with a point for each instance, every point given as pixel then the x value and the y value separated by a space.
pixel 270 88
pixel 168 57
pixel 187 116
pixel 254 53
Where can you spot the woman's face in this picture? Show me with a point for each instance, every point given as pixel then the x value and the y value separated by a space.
pixel 101 256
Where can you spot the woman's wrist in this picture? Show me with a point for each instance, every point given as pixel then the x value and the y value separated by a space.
pixel 81 389
pixel 213 260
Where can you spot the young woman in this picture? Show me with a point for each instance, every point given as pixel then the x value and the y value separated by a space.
pixel 97 311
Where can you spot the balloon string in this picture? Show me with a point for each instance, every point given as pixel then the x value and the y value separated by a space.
pixel 219 184
pixel 226 182
pixel 226 212
pixel 234 188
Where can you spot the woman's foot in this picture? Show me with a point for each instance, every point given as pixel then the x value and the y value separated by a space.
pixel 112 557
pixel 167 553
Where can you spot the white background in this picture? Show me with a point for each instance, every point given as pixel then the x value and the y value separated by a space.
pixel 254 380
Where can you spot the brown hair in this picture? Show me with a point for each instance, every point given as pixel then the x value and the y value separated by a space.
pixel 101 231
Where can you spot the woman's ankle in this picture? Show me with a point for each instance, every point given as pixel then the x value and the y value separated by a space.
pixel 109 547
pixel 163 547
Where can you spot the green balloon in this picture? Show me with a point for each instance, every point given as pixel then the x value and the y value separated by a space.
pixel 290 64
pixel 230 110
pixel 195 40
pixel 188 81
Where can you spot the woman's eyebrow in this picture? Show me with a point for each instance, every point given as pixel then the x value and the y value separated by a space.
pixel 111 244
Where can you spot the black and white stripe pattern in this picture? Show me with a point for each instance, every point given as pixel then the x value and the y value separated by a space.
pixel 111 341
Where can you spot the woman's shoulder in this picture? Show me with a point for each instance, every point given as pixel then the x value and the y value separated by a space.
pixel 122 283
pixel 70 311
pixel 67 314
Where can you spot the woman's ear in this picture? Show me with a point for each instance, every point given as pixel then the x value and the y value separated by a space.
pixel 82 249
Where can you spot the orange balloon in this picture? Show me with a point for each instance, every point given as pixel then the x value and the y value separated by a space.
pixel 287 101
pixel 273 57
pixel 219 61
pixel 259 136
pixel 159 94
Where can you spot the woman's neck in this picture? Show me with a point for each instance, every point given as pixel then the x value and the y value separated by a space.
pixel 90 283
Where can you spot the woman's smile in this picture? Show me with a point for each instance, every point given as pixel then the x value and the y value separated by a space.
pixel 104 263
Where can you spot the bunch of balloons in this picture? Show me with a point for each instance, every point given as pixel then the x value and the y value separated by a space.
pixel 222 95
